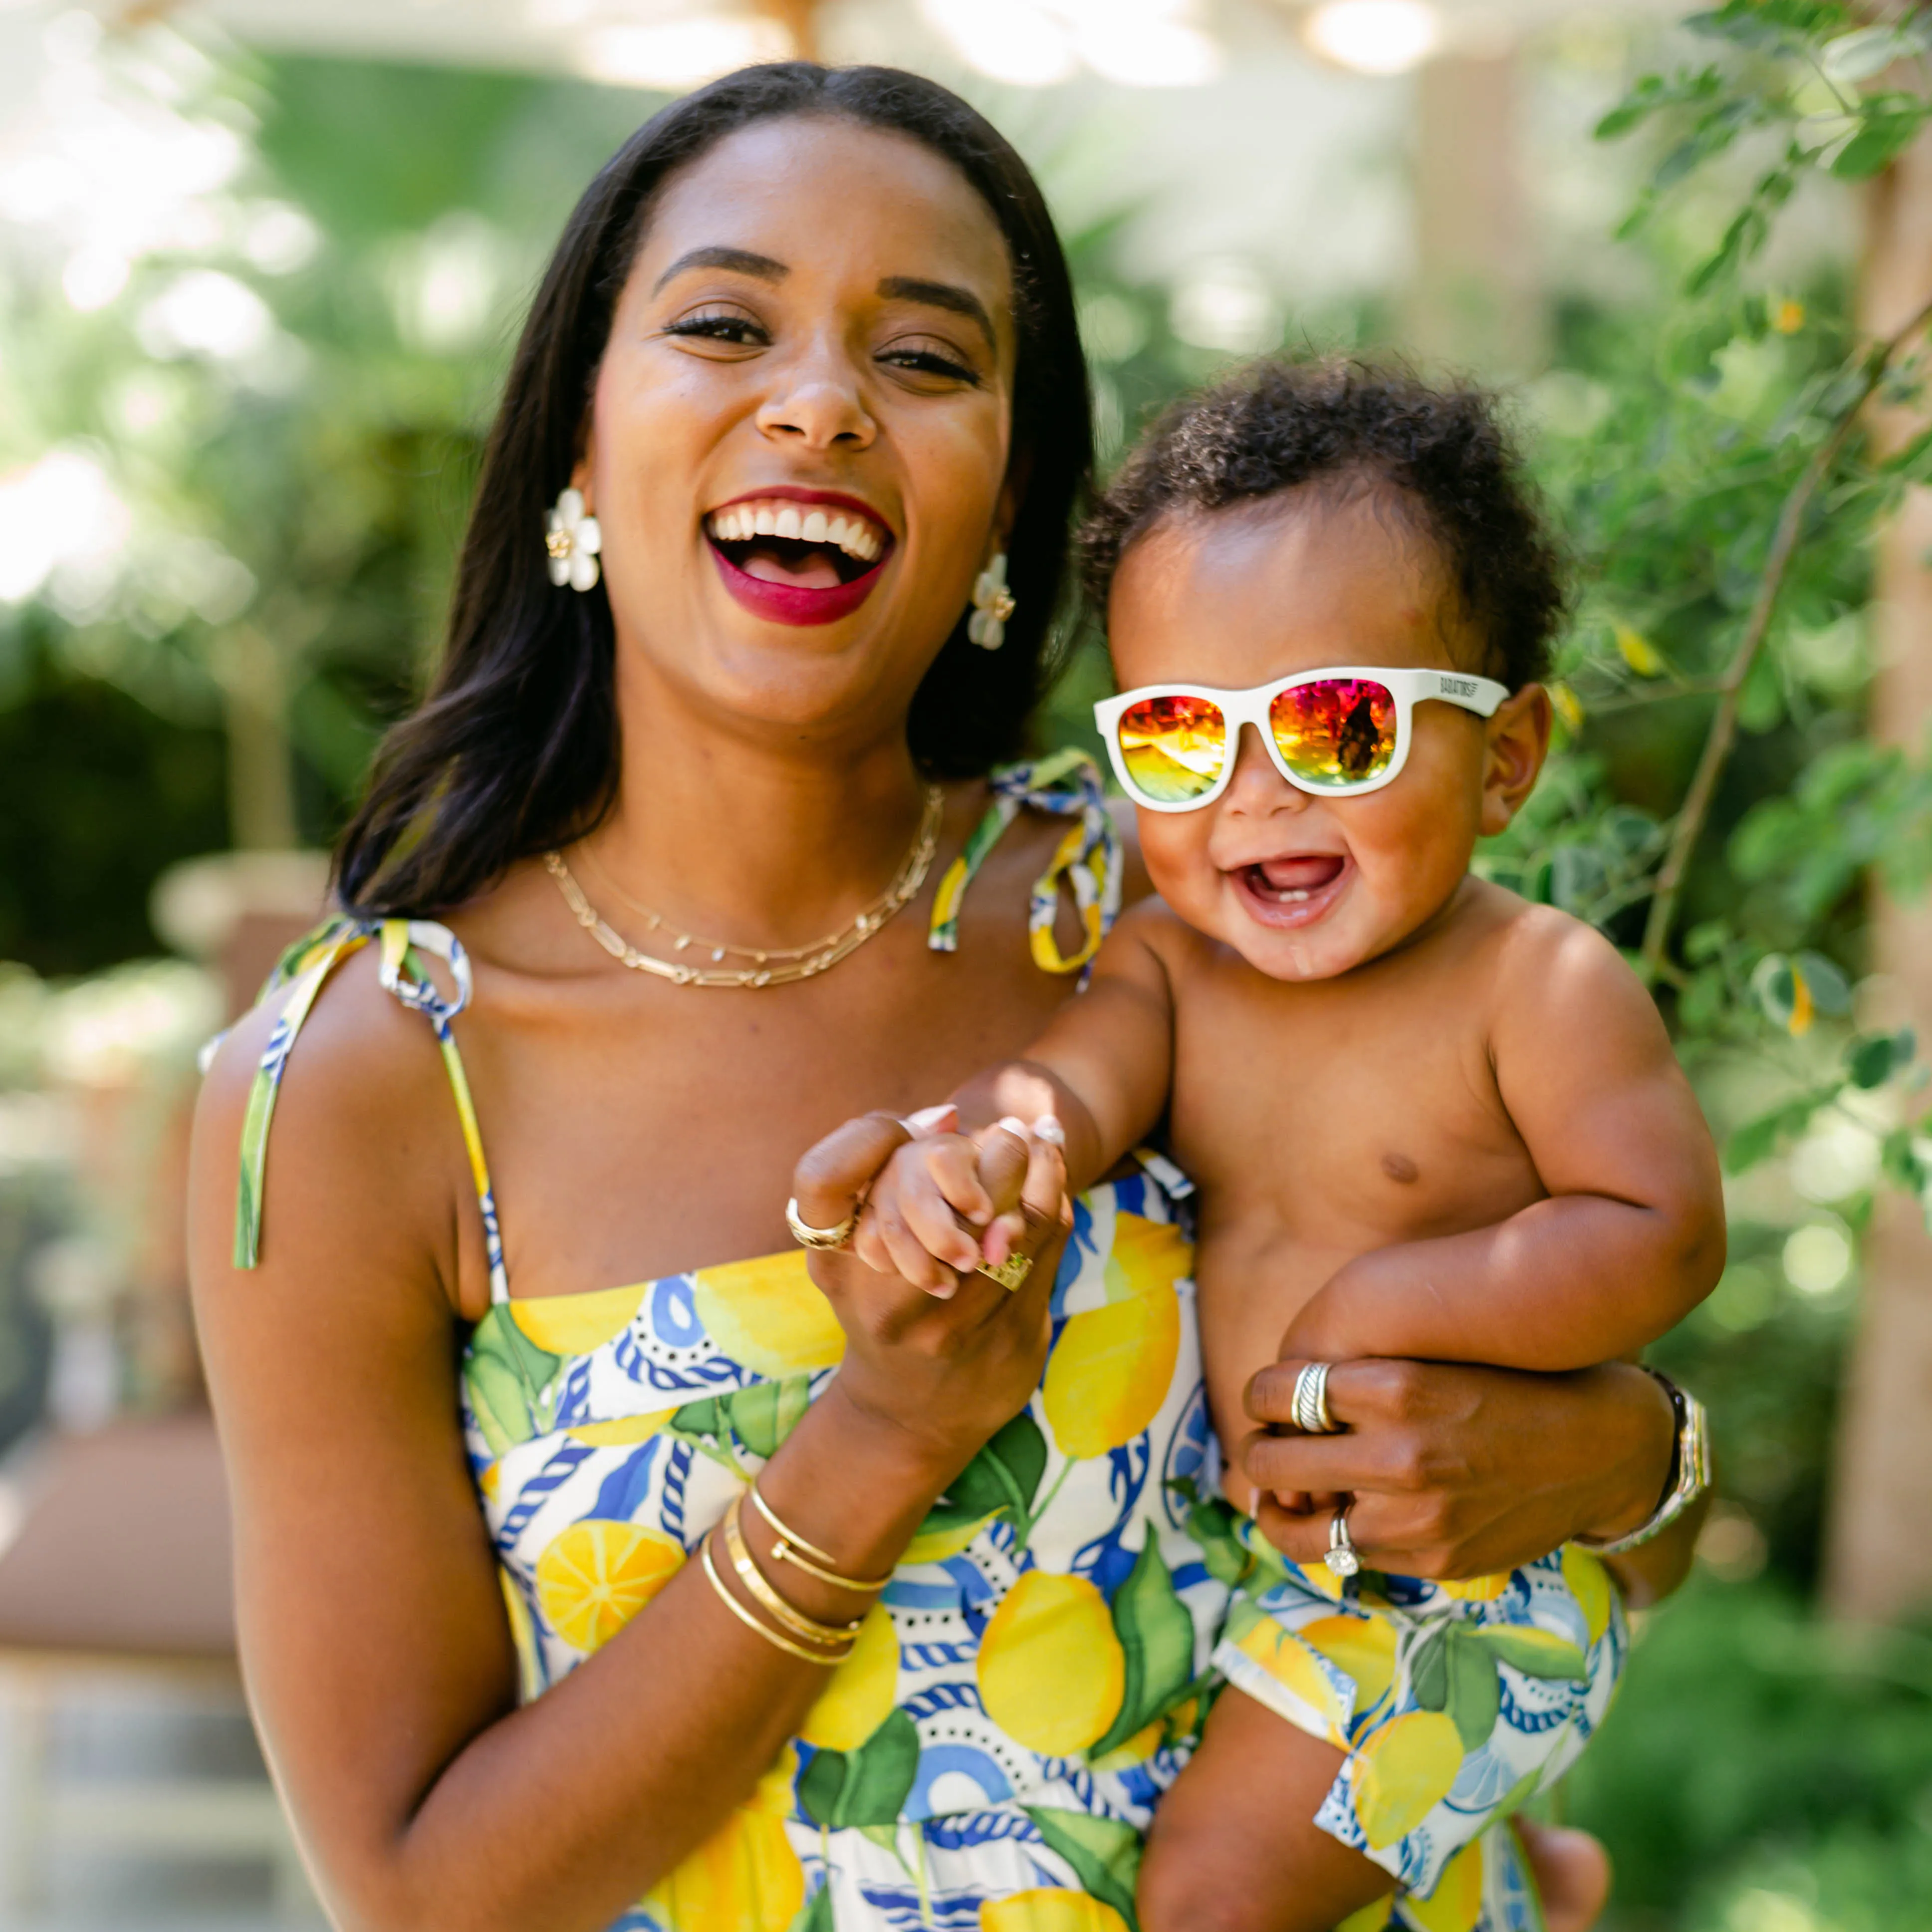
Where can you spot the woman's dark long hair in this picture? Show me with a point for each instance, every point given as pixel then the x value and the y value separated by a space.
pixel 515 748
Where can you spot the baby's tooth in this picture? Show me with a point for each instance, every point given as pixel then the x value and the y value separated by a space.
pixel 837 532
pixel 813 528
pixel 788 522
pixel 765 521
pixel 869 543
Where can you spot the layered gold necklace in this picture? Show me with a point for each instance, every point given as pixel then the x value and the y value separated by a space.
pixel 771 966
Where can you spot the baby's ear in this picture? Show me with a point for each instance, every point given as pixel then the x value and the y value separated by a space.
pixel 1518 742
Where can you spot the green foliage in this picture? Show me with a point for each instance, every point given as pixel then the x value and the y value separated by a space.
pixel 1756 1749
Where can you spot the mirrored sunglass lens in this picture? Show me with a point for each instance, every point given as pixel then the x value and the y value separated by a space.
pixel 1173 748
pixel 1337 732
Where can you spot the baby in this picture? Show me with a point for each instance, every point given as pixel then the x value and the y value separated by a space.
pixel 1426 1118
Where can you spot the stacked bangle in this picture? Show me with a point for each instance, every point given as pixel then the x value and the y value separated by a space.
pixel 813 1642
pixel 808 1629
pixel 792 1548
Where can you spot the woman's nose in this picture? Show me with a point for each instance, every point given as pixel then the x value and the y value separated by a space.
pixel 818 403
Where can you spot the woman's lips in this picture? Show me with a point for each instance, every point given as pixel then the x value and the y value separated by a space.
pixel 795 603
pixel 1283 894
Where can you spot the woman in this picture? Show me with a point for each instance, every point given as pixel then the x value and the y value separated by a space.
pixel 838 298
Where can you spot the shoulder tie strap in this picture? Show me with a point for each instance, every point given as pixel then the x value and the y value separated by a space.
pixel 1087 859
pixel 305 967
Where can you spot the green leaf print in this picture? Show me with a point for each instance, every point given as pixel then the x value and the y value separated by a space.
pixel 1005 1475
pixel 506 1374
pixel 764 1415
pixel 816 1915
pixel 707 1421
pixel 1211 1523
pixel 1536 1653
pixel 1104 1852
pixel 1157 1636
pixel 1429 1668
pixel 866 1786
pixel 1473 1696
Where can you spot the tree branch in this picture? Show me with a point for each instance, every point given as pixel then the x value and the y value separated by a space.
pixel 1723 734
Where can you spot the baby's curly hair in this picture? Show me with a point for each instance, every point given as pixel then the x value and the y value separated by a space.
pixel 1441 454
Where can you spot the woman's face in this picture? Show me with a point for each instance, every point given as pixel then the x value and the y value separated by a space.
pixel 801 428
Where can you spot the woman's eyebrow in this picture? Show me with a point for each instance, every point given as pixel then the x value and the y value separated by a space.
pixel 742 260
pixel 941 294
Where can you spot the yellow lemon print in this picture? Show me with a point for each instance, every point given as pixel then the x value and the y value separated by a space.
pixel 523 1634
pixel 575 1325
pixel 1405 1772
pixel 1589 1583
pixel 622 1431
pixel 1110 1370
pixel 597 1575
pixel 1363 1647
pixel 1372 1917
pixel 1147 1257
pixel 1133 1750
pixel 769 1315
pixel 860 1695
pixel 744 1878
pixel 948 1539
pixel 1049 1909
pixel 1456 1902
pixel 1293 1665
pixel 1477 1589
pixel 1052 1672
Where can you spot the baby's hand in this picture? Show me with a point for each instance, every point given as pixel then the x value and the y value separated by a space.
pixel 946 1201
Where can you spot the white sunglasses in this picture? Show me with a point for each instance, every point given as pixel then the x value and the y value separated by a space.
pixel 1337 733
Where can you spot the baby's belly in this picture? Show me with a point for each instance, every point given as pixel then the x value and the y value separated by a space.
pixel 1252 1283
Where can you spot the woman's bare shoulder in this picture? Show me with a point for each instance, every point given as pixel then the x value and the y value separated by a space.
pixel 364 1138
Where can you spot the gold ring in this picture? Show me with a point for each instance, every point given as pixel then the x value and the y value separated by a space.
pixel 1010 1273
pixel 807 1236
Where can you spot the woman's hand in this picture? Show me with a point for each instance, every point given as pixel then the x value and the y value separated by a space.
pixel 943 1355
pixel 1456 1470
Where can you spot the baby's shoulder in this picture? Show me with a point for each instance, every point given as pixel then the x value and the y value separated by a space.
pixel 1539 959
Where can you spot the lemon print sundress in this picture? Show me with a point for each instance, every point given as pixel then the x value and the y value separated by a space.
pixel 989 1758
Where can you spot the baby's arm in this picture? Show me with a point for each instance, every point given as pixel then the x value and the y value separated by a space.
pixel 1632 1236
pixel 1100 1069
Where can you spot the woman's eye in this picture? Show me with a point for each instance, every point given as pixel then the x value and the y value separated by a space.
pixel 718 325
pixel 927 357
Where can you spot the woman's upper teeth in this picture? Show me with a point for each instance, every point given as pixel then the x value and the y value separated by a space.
pixel 738 522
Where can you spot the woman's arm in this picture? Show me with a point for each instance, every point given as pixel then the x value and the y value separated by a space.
pixel 1465 1472
pixel 373 1634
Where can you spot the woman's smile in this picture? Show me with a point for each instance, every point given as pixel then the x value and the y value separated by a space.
pixel 797 556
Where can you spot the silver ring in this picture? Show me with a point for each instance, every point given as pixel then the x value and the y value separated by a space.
pixel 1343 1561
pixel 807 1236
pixel 1309 1407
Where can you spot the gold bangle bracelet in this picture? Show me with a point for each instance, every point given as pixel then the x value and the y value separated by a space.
pixel 768 1600
pixel 745 1617
pixel 792 1548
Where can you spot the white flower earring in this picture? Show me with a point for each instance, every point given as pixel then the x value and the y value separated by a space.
pixel 993 604
pixel 573 540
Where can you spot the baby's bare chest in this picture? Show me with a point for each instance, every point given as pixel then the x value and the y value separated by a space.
pixel 1343 1117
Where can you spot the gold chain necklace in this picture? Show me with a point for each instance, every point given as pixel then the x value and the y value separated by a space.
pixel 773 966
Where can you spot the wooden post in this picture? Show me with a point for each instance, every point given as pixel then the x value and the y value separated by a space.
pixel 1474 301
pixel 1879 1544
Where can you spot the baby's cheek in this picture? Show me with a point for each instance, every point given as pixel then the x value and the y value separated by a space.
pixel 1175 846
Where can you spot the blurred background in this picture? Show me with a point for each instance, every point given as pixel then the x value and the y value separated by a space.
pixel 260 264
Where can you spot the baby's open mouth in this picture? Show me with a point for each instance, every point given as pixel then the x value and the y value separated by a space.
pixel 1291 880
pixel 801 546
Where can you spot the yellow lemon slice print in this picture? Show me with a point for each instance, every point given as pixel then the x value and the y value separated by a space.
pixel 860 1695
pixel 596 1576
pixel 1405 1771
pixel 1051 1671
pixel 1049 1909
